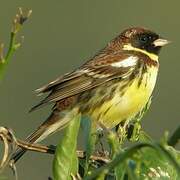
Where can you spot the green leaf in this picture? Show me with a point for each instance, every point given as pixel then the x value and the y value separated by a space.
pixel 120 158
pixel 153 165
pixel 174 139
pixel 65 160
pixel 120 171
pixel 114 143
pixel 134 153
pixel 144 137
pixel 115 147
pixel 90 138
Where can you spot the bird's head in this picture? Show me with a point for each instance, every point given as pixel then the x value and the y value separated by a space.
pixel 140 39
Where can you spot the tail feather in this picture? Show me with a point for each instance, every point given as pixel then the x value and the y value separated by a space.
pixel 51 125
pixel 38 106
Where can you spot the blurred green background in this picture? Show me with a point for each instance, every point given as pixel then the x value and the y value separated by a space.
pixel 60 36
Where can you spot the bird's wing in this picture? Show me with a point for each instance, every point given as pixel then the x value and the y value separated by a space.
pixel 95 72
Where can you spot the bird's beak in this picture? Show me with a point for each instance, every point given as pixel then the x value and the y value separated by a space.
pixel 161 42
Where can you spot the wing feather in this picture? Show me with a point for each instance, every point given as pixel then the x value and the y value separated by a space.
pixel 89 76
pixel 59 80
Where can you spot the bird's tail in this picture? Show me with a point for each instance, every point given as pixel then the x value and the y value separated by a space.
pixel 54 122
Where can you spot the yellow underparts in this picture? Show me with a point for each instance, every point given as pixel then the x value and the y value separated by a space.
pixel 125 106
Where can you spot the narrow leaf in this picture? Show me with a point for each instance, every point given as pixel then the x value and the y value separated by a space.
pixel 90 138
pixel 65 160
pixel 174 139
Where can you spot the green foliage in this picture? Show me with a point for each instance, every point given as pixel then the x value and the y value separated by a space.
pixel 173 140
pixel 145 160
pixel 140 160
pixel 18 22
pixel 65 162
pixel 89 141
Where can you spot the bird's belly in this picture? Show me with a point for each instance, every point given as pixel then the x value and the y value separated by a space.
pixel 126 106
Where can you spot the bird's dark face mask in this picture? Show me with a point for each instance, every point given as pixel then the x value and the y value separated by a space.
pixel 149 42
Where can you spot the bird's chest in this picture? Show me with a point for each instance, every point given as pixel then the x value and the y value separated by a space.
pixel 126 105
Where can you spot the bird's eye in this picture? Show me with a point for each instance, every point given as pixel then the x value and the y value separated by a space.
pixel 144 39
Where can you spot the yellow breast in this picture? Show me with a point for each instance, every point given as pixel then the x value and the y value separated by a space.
pixel 126 106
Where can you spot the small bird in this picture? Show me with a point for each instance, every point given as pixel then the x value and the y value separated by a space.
pixel 110 88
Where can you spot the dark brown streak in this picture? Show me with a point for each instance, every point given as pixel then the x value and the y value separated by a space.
pixel 151 62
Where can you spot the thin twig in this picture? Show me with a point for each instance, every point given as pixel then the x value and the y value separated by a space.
pixel 9 140
pixel 6 135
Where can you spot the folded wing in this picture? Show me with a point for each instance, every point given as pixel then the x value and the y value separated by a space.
pixel 91 75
